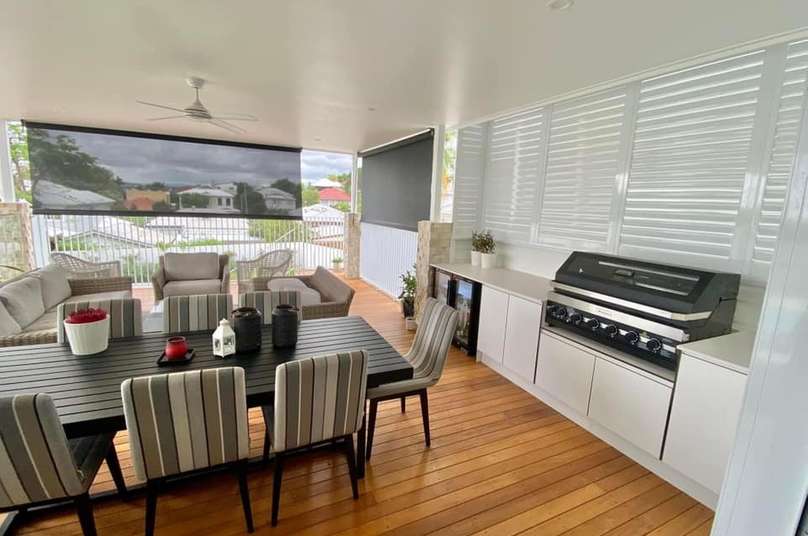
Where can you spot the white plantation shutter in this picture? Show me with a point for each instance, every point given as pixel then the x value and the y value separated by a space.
pixel 468 188
pixel 583 160
pixel 782 154
pixel 691 151
pixel 512 174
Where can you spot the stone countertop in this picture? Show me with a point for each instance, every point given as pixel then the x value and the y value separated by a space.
pixel 732 351
pixel 521 284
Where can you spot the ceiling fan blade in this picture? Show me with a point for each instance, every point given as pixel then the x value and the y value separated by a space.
pixel 161 106
pixel 227 126
pixel 236 117
pixel 166 117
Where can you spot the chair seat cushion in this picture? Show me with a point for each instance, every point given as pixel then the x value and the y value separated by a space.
pixel 44 322
pixel 8 326
pixel 88 452
pixel 397 388
pixel 23 300
pixel 308 296
pixel 191 266
pixel 191 287
pixel 99 296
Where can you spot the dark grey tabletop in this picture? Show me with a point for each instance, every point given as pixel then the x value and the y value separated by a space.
pixel 86 389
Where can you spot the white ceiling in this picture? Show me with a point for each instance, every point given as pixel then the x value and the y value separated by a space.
pixel 311 69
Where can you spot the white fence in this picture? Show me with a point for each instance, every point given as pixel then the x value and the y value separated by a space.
pixel 138 242
pixel 386 253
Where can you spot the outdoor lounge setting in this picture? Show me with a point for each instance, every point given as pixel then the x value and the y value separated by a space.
pixel 406 268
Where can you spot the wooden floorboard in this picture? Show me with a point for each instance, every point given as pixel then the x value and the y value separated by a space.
pixel 501 462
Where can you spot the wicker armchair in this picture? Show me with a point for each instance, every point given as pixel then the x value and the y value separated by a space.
pixel 254 275
pixel 81 269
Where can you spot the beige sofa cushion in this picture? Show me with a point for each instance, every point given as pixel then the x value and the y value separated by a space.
pixel 45 322
pixel 308 296
pixel 23 300
pixel 55 288
pixel 189 288
pixel 99 296
pixel 8 326
pixel 191 266
pixel 330 287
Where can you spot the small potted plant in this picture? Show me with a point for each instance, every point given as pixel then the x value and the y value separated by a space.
pixel 87 331
pixel 336 264
pixel 407 297
pixel 483 243
pixel 475 251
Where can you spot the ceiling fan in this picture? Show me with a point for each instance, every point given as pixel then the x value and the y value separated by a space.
pixel 198 112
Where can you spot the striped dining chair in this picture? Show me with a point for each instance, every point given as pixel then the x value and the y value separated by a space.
pixel 186 422
pixel 200 312
pixel 39 465
pixel 125 317
pixel 266 301
pixel 317 400
pixel 427 357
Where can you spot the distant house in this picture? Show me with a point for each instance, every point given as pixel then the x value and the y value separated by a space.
pixel 50 195
pixel 326 183
pixel 276 199
pixel 218 199
pixel 334 196
pixel 145 199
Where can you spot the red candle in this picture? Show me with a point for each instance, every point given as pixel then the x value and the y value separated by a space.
pixel 176 348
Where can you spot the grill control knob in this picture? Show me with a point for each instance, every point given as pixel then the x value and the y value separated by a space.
pixel 561 313
pixel 575 318
pixel 631 337
pixel 654 345
pixel 552 310
pixel 592 323
pixel 610 330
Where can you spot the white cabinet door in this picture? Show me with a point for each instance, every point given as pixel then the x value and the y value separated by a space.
pixel 704 415
pixel 491 330
pixel 630 405
pixel 522 337
pixel 565 371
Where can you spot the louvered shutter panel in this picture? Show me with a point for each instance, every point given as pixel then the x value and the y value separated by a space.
pixel 783 153
pixel 512 174
pixel 468 187
pixel 690 157
pixel 583 160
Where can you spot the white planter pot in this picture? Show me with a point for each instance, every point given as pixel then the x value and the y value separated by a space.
pixel 488 260
pixel 475 258
pixel 89 338
pixel 411 324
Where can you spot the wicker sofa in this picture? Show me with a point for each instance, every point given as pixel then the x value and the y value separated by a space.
pixel 29 302
pixel 323 294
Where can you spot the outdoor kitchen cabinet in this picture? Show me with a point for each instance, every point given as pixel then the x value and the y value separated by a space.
pixel 631 404
pixel 522 337
pixel 493 317
pixel 565 371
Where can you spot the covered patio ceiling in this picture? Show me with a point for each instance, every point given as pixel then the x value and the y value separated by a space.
pixel 344 75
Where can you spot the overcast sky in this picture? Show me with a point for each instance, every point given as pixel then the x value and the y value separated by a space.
pixel 177 163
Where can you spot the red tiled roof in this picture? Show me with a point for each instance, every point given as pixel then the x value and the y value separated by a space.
pixel 334 194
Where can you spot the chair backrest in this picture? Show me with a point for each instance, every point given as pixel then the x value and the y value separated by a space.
pixel 125 316
pixel 266 301
pixel 199 312
pixel 318 398
pixel 331 287
pixel 184 421
pixel 77 266
pixel 436 329
pixel 35 461
pixel 193 266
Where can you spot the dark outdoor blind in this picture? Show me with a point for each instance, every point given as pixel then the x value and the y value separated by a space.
pixel 396 183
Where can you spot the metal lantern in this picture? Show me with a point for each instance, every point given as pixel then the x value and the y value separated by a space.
pixel 224 339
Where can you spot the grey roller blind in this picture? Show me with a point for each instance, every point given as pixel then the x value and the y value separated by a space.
pixel 396 183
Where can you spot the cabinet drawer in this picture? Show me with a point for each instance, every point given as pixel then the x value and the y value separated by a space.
pixel 704 414
pixel 565 371
pixel 630 405
pixel 491 330
pixel 522 337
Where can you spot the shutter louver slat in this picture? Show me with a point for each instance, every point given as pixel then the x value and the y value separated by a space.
pixel 582 162
pixel 468 189
pixel 689 162
pixel 512 174
pixel 783 153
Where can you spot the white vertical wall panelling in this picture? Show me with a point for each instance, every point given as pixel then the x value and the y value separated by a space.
pixel 468 190
pixel 583 152
pixel 512 174
pixel 386 254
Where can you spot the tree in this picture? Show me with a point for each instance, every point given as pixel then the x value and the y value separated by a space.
pixel 18 147
pixel 343 178
pixel 311 195
pixel 193 201
pixel 250 201
pixel 344 206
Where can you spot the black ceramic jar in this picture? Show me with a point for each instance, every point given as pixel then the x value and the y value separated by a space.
pixel 284 326
pixel 247 326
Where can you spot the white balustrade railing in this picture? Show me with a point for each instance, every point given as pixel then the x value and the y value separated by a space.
pixel 137 242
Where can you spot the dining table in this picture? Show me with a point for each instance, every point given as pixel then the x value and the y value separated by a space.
pixel 87 389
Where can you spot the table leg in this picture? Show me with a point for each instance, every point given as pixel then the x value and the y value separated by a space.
pixel 360 449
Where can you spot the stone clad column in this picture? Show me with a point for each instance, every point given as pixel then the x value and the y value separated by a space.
pixel 434 242
pixel 353 235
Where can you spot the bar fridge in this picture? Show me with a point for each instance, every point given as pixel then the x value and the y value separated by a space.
pixel 464 295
